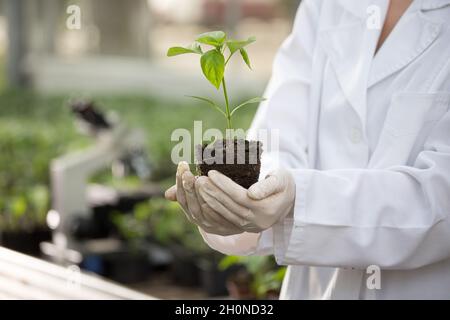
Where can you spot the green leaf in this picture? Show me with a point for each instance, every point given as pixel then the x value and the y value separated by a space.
pixel 175 51
pixel 234 46
pixel 229 261
pixel 214 38
pixel 211 103
pixel 244 55
pixel 19 206
pixel 280 274
pixel 255 264
pixel 246 103
pixel 213 66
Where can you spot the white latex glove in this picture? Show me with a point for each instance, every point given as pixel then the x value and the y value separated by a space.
pixel 196 210
pixel 256 209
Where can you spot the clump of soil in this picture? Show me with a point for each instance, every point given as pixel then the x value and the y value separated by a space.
pixel 238 159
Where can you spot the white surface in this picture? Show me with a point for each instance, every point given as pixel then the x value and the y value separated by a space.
pixel 24 277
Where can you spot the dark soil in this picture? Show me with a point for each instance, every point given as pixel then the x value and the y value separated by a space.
pixel 244 160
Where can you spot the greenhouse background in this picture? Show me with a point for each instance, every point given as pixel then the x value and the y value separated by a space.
pixel 114 62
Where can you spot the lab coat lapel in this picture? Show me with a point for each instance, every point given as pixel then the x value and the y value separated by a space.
pixel 350 48
pixel 411 37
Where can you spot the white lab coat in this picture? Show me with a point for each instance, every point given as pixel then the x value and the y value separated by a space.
pixel 367 139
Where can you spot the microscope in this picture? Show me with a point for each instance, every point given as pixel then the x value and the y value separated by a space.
pixel 83 233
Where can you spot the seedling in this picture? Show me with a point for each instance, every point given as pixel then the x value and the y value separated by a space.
pixel 216 54
pixel 214 64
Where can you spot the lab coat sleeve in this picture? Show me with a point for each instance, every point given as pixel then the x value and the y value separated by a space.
pixel 396 218
pixel 287 96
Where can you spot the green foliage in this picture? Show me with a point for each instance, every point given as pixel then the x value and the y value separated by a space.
pixel 213 38
pixel 244 56
pixel 268 282
pixel 251 101
pixel 234 46
pixel 161 220
pixel 29 138
pixel 2 71
pixel 209 102
pixel 267 276
pixel 213 64
pixel 34 129
pixel 176 51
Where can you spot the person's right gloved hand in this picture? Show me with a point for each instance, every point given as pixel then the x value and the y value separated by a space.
pixel 197 211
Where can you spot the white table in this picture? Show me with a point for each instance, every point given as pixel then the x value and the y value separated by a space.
pixel 25 277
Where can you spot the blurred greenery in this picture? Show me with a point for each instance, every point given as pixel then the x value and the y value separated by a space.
pixel 266 276
pixel 30 136
pixel 36 128
pixel 2 71
pixel 160 220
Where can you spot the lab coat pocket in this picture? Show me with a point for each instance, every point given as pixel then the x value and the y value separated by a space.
pixel 411 113
pixel 409 122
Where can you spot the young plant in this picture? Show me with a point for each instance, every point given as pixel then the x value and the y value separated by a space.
pixel 266 276
pixel 214 62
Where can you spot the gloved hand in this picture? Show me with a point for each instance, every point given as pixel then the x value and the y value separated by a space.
pixel 256 209
pixel 196 210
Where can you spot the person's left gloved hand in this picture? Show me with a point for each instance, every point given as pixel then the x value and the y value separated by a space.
pixel 256 209
pixel 195 209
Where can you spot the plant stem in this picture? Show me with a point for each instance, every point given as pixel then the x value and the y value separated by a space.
pixel 227 104
pixel 226 62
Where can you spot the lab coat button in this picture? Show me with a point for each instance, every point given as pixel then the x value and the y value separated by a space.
pixel 355 135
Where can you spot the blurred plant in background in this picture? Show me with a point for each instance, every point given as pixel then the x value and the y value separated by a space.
pixel 106 60
pixel 2 71
pixel 34 129
pixel 30 136
pixel 163 221
pixel 160 220
pixel 260 277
